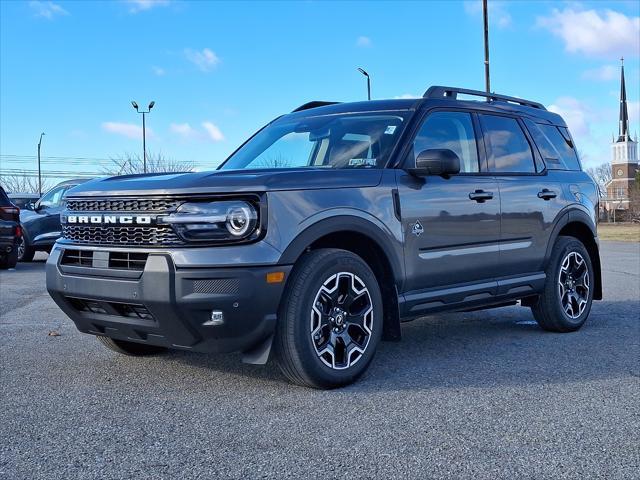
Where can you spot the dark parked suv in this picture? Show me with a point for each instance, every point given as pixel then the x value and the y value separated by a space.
pixel 41 225
pixel 10 231
pixel 329 227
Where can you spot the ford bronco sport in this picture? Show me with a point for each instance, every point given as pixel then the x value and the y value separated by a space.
pixel 330 226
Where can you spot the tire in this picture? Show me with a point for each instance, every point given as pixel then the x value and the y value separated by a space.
pixel 25 251
pixel 329 321
pixel 566 300
pixel 130 348
pixel 9 261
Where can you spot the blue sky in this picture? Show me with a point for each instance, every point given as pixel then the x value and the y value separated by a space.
pixel 218 71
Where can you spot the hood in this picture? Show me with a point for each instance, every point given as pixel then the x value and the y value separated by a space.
pixel 228 181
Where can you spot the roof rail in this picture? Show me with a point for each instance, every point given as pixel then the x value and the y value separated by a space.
pixel 314 104
pixel 438 91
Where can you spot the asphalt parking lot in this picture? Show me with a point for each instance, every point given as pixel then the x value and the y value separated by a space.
pixel 474 395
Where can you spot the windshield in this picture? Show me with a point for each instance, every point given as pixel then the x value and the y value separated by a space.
pixel 328 141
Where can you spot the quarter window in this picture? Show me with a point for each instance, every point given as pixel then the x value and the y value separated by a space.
pixel 507 146
pixel 555 145
pixel 452 131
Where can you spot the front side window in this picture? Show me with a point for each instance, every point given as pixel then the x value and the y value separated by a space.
pixel 52 198
pixel 345 141
pixel 452 131
pixel 507 146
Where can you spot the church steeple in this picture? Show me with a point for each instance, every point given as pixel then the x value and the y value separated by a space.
pixel 623 129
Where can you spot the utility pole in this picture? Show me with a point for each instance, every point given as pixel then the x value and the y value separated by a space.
pixel 362 71
pixel 39 170
pixel 485 15
pixel 144 132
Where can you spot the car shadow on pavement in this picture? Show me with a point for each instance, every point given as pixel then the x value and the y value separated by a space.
pixel 482 349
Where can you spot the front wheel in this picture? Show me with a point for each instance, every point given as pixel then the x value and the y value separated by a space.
pixel 568 293
pixel 330 320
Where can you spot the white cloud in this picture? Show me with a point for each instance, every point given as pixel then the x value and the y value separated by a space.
pixel 604 73
pixel 575 113
pixel 407 95
pixel 159 71
pixel 128 130
pixel 363 41
pixel 142 5
pixel 592 33
pixel 213 131
pixel 184 130
pixel 47 10
pixel 497 12
pixel 204 59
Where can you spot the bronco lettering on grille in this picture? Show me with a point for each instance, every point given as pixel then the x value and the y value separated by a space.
pixel 108 219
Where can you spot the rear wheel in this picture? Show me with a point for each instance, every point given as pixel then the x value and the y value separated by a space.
pixel 330 320
pixel 130 348
pixel 25 251
pixel 568 293
pixel 9 260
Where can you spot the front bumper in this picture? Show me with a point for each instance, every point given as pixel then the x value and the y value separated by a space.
pixel 167 305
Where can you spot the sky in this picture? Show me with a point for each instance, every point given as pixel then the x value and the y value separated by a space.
pixel 218 71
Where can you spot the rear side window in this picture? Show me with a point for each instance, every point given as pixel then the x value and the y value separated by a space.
pixel 507 146
pixel 555 146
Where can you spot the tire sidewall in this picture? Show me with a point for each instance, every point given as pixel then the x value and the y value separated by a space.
pixel 339 262
pixel 565 247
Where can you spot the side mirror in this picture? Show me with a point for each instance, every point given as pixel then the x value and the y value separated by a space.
pixel 437 161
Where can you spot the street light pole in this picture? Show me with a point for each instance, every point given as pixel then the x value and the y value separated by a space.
pixel 144 132
pixel 39 170
pixel 485 15
pixel 362 71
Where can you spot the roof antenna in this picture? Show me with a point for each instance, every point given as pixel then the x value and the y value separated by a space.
pixel 485 15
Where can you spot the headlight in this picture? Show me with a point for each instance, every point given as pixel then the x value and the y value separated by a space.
pixel 214 221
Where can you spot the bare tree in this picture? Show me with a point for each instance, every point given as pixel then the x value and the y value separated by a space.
pixel 602 176
pixel 634 199
pixel 129 164
pixel 275 161
pixel 23 182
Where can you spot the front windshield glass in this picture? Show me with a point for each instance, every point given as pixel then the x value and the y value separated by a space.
pixel 328 141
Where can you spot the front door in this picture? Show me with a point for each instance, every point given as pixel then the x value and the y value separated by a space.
pixel 451 225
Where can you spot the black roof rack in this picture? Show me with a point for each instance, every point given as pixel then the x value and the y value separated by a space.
pixel 438 91
pixel 314 104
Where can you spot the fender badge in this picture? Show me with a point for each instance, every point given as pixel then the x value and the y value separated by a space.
pixel 417 229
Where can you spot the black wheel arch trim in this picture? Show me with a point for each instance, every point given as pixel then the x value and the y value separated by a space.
pixel 577 215
pixel 340 224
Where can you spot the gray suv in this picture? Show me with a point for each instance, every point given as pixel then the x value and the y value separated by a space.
pixel 332 225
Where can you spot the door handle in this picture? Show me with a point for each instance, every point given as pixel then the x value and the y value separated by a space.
pixel 547 194
pixel 480 196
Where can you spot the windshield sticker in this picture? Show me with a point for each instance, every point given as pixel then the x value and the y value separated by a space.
pixel 362 162
pixel 390 130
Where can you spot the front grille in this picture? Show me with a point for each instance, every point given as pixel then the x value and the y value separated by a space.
pixel 115 260
pixel 128 260
pixel 122 235
pixel 77 258
pixel 136 236
pixel 123 205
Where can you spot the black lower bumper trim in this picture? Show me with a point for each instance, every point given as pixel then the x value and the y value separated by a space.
pixel 172 307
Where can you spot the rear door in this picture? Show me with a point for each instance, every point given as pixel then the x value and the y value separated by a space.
pixel 530 198
pixel 451 225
